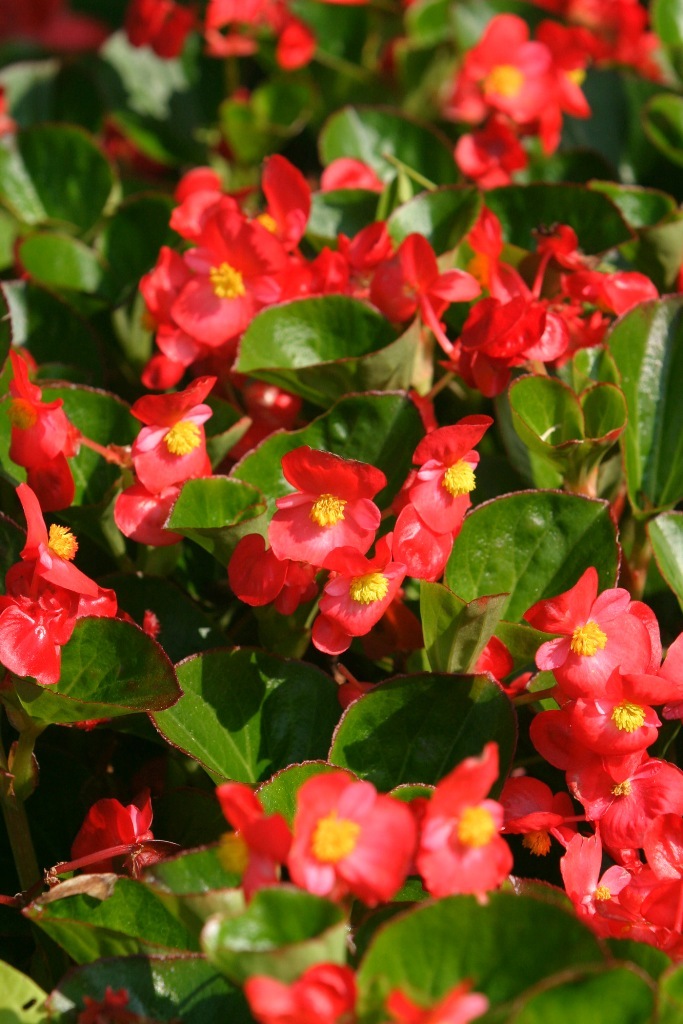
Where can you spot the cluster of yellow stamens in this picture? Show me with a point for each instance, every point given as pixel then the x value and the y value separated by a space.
pixel 628 717
pixel 503 80
pixel 327 510
pixel 476 827
pixel 267 222
pixel 183 438
pixel 459 479
pixel 233 853
pixel 22 413
pixel 588 640
pixel 537 842
pixel 602 893
pixel 621 788
pixel 227 282
pixel 334 838
pixel 369 588
pixel 62 542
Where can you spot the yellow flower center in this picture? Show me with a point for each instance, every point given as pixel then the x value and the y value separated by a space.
pixel 476 827
pixel 62 542
pixel 22 414
pixel 267 222
pixel 227 282
pixel 576 75
pixel 183 438
pixel 459 479
pixel 505 80
pixel 327 510
pixel 334 838
pixel 602 893
pixel 622 788
pixel 628 717
pixel 233 853
pixel 537 842
pixel 369 588
pixel 588 639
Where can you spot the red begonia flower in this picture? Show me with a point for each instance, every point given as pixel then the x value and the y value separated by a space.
pixel 162 25
pixel 260 843
pixel 459 1006
pixel 324 994
pixel 109 824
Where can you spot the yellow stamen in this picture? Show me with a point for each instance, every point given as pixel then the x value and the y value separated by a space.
pixel 227 282
pixel 476 827
pixel 628 717
pixel 576 75
pixel 504 80
pixel 233 853
pixel 480 267
pixel 537 842
pixel 622 788
pixel 62 542
pixel 22 413
pixel 327 510
pixel 602 893
pixel 183 438
pixel 267 222
pixel 369 588
pixel 588 639
pixel 459 479
pixel 334 838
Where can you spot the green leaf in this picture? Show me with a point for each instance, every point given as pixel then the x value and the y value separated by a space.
pixel 278 795
pixel 379 137
pixel 12 541
pixel 22 1000
pixel 261 124
pixel 381 429
pixel 160 989
pixel 417 728
pixel 640 207
pixel 195 885
pixel 671 995
pixel 667 20
pixel 325 348
pixel 131 241
pixel 646 344
pixel 650 959
pixel 617 995
pixel 662 118
pixel 60 261
pixel 666 536
pixel 244 713
pixel 109 668
pixel 109 916
pixel 524 209
pixel 282 932
pixel 443 216
pixel 456 633
pixel 503 947
pixel 42 177
pixel 215 512
pixel 340 211
pixel 532 545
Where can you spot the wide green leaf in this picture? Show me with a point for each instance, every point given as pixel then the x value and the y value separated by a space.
pixel 42 176
pixel 62 262
pixel 278 795
pixel 22 1001
pixel 325 348
pixel 667 19
pixel 281 933
pixel 662 120
pixel 647 346
pixel 168 989
pixel 618 995
pixel 443 216
pixel 215 512
pixel 131 241
pixel 532 545
pixel 109 668
pixel 524 209
pixel 666 536
pixel 382 429
pixel 417 728
pixel 386 139
pixel 244 713
pixel 504 947
pixel 109 916
pixel 456 633
pixel 194 885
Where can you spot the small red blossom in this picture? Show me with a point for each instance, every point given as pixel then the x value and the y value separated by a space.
pixel 324 994
pixel 260 843
pixel 459 1006
pixel 109 825
pixel 163 25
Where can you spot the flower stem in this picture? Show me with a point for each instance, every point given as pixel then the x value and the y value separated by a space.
pixel 16 822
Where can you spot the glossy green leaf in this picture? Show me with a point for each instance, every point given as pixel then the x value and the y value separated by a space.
pixel 340 211
pixel 618 995
pixel 168 989
pixel 662 120
pixel 443 216
pixel 646 344
pixel 215 512
pixel 195 885
pixel 22 1001
pixel 671 995
pixel 278 795
pixel 666 536
pixel 262 123
pixel 282 932
pixel 109 668
pixel 380 137
pixel 37 193
pixel 524 209
pixel 325 348
pixel 382 429
pixel 650 959
pixel 532 545
pixel 455 633
pixel 60 261
pixel 417 728
pixel 131 241
pixel 244 713
pixel 504 947
pixel 641 207
pixel 109 917
pixel 667 20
